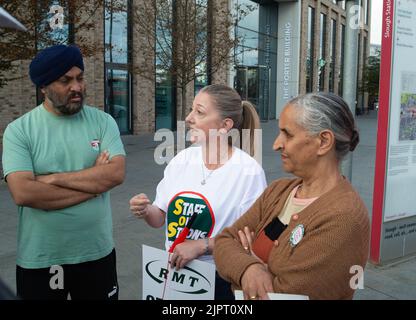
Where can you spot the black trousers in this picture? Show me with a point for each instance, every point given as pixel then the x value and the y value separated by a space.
pixel 223 289
pixel 92 280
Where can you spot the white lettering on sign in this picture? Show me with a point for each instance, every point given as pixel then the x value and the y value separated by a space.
pixel 287 60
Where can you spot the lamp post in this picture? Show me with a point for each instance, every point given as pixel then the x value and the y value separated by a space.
pixel 350 66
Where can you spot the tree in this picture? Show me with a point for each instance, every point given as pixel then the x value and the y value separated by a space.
pixel 46 26
pixel 189 39
pixel 371 76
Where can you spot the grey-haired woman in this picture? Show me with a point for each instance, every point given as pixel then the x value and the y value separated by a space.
pixel 308 235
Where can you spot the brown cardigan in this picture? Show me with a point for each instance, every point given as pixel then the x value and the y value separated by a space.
pixel 336 237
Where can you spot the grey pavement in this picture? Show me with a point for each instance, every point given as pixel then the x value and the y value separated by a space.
pixel 387 282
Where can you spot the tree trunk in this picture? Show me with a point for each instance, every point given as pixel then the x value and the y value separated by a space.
pixel 183 102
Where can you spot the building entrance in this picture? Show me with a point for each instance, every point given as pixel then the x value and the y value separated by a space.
pixel 253 84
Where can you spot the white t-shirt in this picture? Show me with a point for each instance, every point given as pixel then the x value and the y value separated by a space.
pixel 228 193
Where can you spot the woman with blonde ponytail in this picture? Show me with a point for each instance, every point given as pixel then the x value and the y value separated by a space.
pixel 214 178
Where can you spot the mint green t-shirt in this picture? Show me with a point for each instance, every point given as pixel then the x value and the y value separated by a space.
pixel 44 143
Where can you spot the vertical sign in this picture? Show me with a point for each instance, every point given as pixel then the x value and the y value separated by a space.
pixel 288 53
pixel 394 202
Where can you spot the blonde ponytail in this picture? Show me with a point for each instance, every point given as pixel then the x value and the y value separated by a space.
pixel 250 122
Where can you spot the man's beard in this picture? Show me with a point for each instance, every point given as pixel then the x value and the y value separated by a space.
pixel 63 104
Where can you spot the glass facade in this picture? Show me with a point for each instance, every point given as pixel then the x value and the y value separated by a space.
pixel 117 58
pixel 310 49
pixel 255 57
pixel 247 31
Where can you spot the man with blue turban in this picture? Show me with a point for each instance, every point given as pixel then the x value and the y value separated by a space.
pixel 60 160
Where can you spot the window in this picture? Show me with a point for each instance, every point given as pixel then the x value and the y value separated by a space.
pixel 116 31
pixel 365 50
pixel 359 57
pixel 117 58
pixel 322 55
pixel 364 63
pixel 257 41
pixel 255 56
pixel 310 49
pixel 117 102
pixel 332 48
pixel 247 31
pixel 341 70
pixel 165 101
pixel 249 19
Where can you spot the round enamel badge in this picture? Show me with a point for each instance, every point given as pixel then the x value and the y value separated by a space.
pixel 297 235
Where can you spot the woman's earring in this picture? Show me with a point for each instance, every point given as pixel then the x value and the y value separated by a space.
pixel 223 131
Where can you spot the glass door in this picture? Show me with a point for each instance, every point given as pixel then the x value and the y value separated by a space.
pixel 240 82
pixel 164 103
pixel 253 84
pixel 118 98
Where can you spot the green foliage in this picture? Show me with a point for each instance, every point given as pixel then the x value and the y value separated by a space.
pixel 371 76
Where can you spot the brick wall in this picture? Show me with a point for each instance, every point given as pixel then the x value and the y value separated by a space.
pixel 143 77
pixel 94 65
pixel 17 97
pixel 221 11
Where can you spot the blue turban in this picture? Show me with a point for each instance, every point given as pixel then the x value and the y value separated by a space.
pixel 52 63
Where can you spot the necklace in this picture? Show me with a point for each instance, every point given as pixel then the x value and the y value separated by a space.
pixel 204 180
